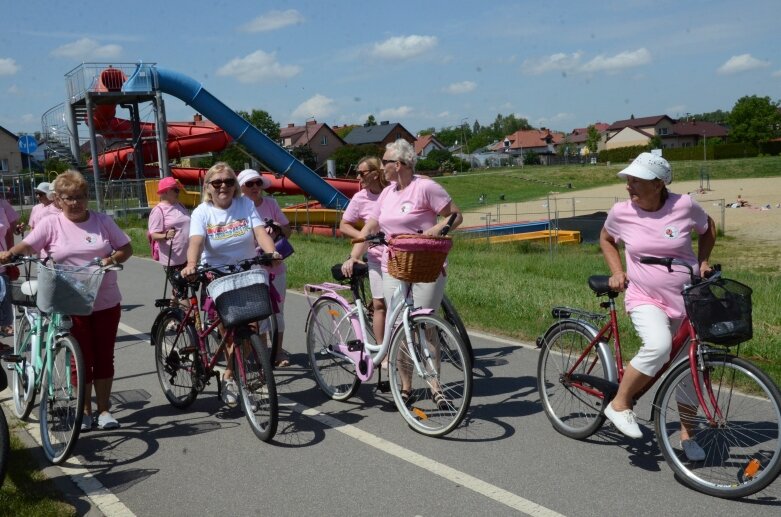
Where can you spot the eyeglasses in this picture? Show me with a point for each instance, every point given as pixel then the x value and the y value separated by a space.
pixel 72 200
pixel 386 162
pixel 254 183
pixel 229 182
pixel 363 174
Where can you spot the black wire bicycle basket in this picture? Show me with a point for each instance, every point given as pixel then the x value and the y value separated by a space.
pixel 720 311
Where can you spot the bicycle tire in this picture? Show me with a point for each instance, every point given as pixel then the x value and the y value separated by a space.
pixel 450 375
pixel 256 384
pixel 327 327
pixel 177 360
pixel 61 411
pixel 572 412
pixel 748 431
pixel 23 403
pixel 5 446
pixel 269 332
pixel 450 314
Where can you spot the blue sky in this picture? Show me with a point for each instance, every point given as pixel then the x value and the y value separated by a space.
pixel 560 64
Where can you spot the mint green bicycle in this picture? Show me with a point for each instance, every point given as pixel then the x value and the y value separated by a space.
pixel 46 358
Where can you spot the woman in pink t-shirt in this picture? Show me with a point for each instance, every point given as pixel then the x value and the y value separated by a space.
pixel 372 182
pixel 169 226
pixel 410 204
pixel 73 238
pixel 278 227
pixel 653 222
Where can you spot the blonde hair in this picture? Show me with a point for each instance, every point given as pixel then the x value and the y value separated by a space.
pixel 216 169
pixel 70 182
pixel 403 151
pixel 375 164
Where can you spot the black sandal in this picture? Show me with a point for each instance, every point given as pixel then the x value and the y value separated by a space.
pixel 407 398
pixel 442 402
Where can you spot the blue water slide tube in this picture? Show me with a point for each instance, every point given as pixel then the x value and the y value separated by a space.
pixel 272 154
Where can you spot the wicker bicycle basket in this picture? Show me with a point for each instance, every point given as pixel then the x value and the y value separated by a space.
pixel 417 258
pixel 241 298
pixel 720 311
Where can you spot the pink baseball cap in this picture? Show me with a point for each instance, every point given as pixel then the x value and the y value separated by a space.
pixel 166 184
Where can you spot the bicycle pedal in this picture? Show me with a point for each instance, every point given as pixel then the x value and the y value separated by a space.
pixel 355 345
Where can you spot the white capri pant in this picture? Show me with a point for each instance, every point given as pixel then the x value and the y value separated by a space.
pixel 427 296
pixel 375 280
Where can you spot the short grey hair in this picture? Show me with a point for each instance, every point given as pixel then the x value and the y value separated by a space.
pixel 403 151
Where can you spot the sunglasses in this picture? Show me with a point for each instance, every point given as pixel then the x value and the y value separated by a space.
pixel 254 183
pixel 363 174
pixel 230 182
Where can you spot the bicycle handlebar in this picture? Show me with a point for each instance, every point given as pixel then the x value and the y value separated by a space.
pixel 97 261
pixel 669 262
pixel 263 259
pixel 377 238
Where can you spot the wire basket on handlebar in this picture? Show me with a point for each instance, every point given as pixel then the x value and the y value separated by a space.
pixel 720 311
pixel 241 297
pixel 68 289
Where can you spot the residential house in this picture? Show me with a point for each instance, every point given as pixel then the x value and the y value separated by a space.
pixel 381 134
pixel 427 143
pixel 318 136
pixel 541 142
pixel 691 133
pixel 10 155
pixel 579 137
pixel 637 131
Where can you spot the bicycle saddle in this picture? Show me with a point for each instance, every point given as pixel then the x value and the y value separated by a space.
pixel 599 284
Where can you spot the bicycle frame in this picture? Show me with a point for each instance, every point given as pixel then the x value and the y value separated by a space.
pixel 610 330
pixel 356 315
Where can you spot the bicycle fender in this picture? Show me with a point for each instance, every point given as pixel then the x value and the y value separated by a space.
pixel 604 351
pixel 156 324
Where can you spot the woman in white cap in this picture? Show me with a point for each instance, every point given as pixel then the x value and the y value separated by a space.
pixel 653 222
pixel 278 227
pixel 44 193
pixel 169 228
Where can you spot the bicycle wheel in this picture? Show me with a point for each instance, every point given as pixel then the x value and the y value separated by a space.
pixel 433 388
pixel 256 384
pixel 742 447
pixel 62 399
pixel 328 326
pixel 449 314
pixel 573 411
pixel 176 359
pixel 23 378
pixel 267 330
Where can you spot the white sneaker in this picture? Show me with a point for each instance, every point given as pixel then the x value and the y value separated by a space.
pixel 624 421
pixel 693 450
pixel 230 392
pixel 106 421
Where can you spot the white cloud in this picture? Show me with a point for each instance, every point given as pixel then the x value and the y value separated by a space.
pixel 318 106
pixel 273 20
pixel 403 47
pixel 555 62
pixel 777 73
pixel 395 113
pixel 257 67
pixel 87 48
pixel 29 118
pixel 462 87
pixel 558 118
pixel 620 61
pixel 741 63
pixel 444 114
pixel 8 66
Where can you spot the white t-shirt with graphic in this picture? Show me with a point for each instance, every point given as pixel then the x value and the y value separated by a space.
pixel 228 234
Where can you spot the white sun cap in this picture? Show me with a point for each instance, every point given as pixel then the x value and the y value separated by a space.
pixel 648 166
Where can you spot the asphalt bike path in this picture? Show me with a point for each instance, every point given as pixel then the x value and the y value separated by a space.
pixel 359 457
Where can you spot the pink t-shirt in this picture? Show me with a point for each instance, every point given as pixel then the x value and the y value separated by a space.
pixel 5 227
pixel 41 211
pixel 360 209
pixel 664 233
pixel 75 244
pixel 269 209
pixel 10 214
pixel 162 218
pixel 411 210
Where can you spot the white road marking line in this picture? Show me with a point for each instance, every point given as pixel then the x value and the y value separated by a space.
pixel 477 485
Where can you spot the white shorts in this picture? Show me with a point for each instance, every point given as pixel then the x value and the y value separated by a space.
pixel 280 284
pixel 656 331
pixel 427 296
pixel 375 279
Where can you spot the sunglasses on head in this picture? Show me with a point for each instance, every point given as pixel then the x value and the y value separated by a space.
pixel 230 182
pixel 254 183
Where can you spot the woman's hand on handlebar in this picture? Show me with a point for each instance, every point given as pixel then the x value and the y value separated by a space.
pixel 705 269
pixel 189 271
pixel 347 267
pixel 5 257
pixel 618 282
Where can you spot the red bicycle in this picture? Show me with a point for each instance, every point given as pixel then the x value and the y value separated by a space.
pixel 732 409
